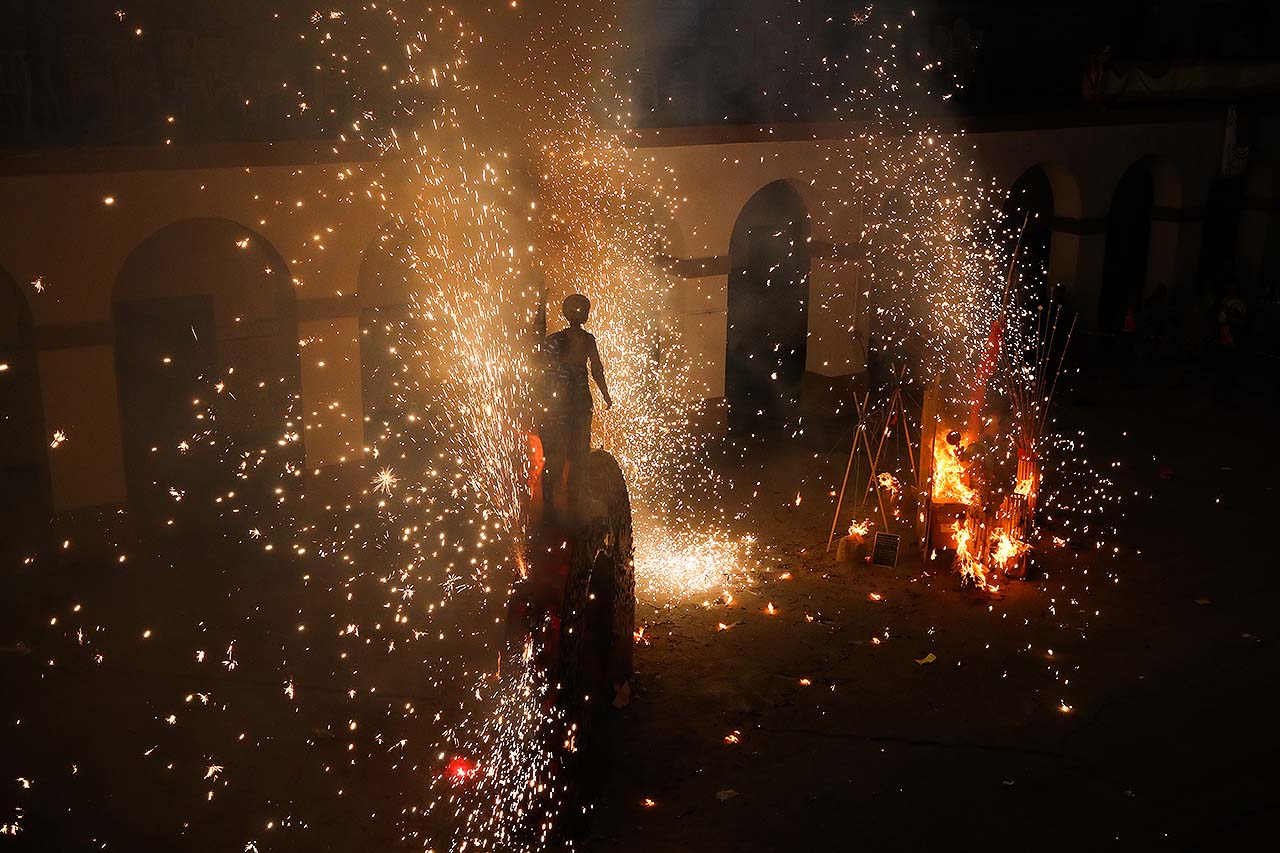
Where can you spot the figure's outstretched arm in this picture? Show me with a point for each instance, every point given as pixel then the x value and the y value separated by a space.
pixel 597 373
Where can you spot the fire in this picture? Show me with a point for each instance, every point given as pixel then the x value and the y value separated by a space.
pixel 981 546
pixel 859 530
pixel 889 483
pixel 1007 550
pixel 949 486
pixel 893 490
pixel 1003 552
pixel 972 566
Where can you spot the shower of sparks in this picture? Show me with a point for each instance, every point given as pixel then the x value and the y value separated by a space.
pixel 511 798
pixel 481 230
pixel 385 481
pixel 679 564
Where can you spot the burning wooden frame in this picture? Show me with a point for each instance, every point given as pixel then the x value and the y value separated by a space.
pixel 989 526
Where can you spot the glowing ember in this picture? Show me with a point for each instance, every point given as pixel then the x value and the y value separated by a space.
pixel 460 769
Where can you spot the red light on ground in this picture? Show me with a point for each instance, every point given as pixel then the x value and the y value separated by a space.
pixel 460 769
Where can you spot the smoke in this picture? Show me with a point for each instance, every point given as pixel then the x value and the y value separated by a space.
pixel 754 62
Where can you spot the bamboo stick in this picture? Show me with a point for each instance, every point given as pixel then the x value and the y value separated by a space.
pixel 848 465
pixel 1058 373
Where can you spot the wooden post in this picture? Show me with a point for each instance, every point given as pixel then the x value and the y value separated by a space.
pixel 852 452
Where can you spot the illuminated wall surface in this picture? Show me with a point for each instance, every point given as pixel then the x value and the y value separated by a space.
pixel 185 181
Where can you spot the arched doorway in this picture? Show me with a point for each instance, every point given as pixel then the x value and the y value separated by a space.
pixel 1124 266
pixel 203 302
pixel 768 316
pixel 24 497
pixel 1030 202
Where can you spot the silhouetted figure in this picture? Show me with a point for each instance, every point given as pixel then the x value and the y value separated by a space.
pixel 1232 314
pixel 566 437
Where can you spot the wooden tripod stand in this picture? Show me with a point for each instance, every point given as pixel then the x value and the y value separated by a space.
pixel 895 415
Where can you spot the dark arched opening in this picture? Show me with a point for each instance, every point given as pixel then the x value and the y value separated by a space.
pixel 768 316
pixel 1124 267
pixel 204 319
pixel 1221 230
pixel 1029 210
pixel 768 310
pixel 24 497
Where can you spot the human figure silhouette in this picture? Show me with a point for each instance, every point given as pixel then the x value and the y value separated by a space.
pixel 567 428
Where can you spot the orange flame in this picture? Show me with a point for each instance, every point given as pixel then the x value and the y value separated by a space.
pixel 1007 550
pixel 972 567
pixel 888 482
pixel 949 486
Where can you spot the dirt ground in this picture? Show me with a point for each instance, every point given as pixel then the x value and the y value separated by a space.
pixel 1119 700
pixel 1161 647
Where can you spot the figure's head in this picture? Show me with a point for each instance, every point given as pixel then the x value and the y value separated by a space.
pixel 577 308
